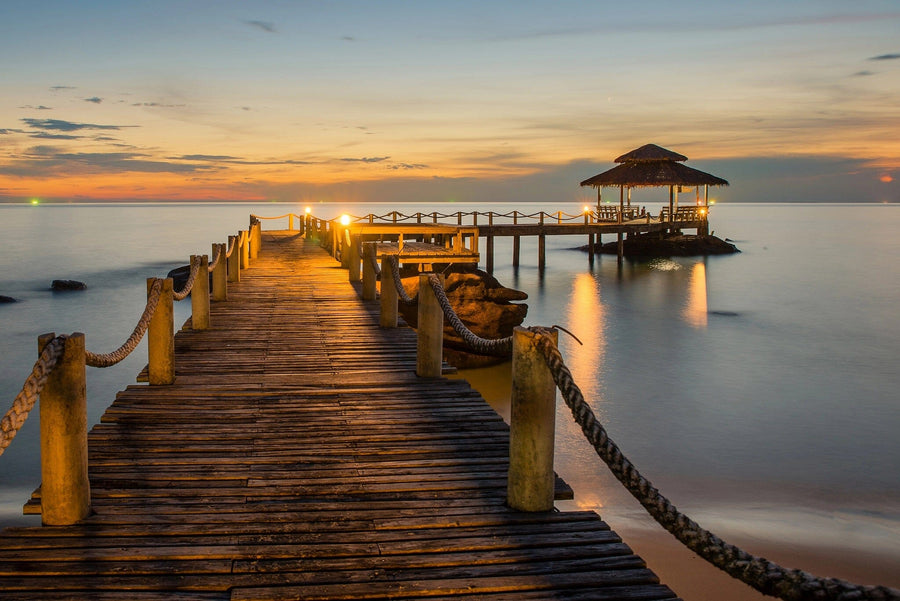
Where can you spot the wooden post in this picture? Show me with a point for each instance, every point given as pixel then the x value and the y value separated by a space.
pixel 65 488
pixel 516 246
pixel 591 246
pixel 255 239
pixel 200 294
pixel 430 333
pixel 353 257
pixel 220 274
pixel 531 483
pixel 368 271
pixel 245 249
pixel 389 297
pixel 620 249
pixel 291 223
pixel 234 261
pixel 542 252
pixel 489 259
pixel 161 337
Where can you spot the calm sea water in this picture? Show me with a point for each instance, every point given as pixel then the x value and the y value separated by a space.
pixel 759 391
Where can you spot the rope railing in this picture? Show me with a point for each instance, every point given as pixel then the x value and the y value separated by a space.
pixel 405 298
pixel 373 262
pixel 485 346
pixel 215 262
pixel 24 402
pixel 233 244
pixel 110 359
pixel 189 284
pixel 763 575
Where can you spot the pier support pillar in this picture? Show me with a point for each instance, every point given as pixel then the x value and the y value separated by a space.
pixel 220 274
pixel 368 271
pixel 200 294
pixel 531 484
pixel 234 260
pixel 430 332
pixel 161 337
pixel 516 247
pixel 620 249
pixel 489 258
pixel 389 297
pixel 353 257
pixel 542 252
pixel 65 488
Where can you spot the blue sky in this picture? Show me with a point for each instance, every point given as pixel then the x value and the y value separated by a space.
pixel 425 101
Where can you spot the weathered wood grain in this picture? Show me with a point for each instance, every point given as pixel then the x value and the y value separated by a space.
pixel 297 456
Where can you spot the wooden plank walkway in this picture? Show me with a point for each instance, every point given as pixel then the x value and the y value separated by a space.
pixel 297 456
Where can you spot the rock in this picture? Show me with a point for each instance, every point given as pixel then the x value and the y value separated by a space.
pixel 7 299
pixel 66 285
pixel 680 245
pixel 484 306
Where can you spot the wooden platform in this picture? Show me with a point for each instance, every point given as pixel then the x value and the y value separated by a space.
pixel 297 456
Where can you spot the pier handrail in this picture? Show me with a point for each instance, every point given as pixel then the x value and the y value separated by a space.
pixel 762 574
pixel 24 402
pixel 110 359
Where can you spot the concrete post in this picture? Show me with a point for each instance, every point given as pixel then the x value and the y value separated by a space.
pixel 234 261
pixel 531 484
pixel 65 488
pixel 245 249
pixel 353 257
pixel 430 333
pixel 161 337
pixel 200 294
pixel 219 274
pixel 389 297
pixel 368 271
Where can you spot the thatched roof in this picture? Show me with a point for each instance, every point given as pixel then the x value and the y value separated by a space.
pixel 650 152
pixel 650 166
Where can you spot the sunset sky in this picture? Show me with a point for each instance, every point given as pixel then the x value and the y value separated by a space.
pixel 433 101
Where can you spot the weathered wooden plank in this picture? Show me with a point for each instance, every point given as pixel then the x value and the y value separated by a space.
pixel 297 455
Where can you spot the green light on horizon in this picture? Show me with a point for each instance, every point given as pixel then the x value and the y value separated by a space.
pixel 35 201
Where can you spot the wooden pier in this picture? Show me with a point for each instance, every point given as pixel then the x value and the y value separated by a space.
pixel 297 456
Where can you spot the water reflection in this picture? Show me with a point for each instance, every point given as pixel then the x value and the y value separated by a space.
pixel 695 310
pixel 587 320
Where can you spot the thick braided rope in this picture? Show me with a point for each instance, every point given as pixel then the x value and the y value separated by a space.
pixel 500 346
pixel 763 575
pixel 189 284
pixel 31 389
pixel 109 359
pixel 401 292
pixel 216 258
pixel 231 248
pixel 373 260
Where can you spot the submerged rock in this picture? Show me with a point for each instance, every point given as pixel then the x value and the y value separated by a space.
pixel 67 285
pixel 483 304
pixel 652 245
pixel 7 299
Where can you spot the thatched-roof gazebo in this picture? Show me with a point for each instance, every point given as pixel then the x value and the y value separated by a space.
pixel 652 166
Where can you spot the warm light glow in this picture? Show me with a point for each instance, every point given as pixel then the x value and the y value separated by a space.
pixel 886 179
pixel 35 201
pixel 703 211
pixel 587 209
pixel 345 219
pixel 308 210
pixel 695 310
pixel 712 202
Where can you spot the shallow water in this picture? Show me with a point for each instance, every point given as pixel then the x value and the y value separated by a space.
pixel 758 390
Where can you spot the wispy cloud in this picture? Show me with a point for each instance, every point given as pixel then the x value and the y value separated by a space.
pixel 7 132
pixel 407 166
pixel 42 135
pixel 61 88
pixel 885 57
pixel 39 107
pixel 48 161
pixel 94 99
pixel 863 73
pixel 61 125
pixel 263 25
pixel 364 160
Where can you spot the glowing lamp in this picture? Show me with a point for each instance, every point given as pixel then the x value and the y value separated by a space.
pixel 587 209
pixel 345 219
pixel 308 210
